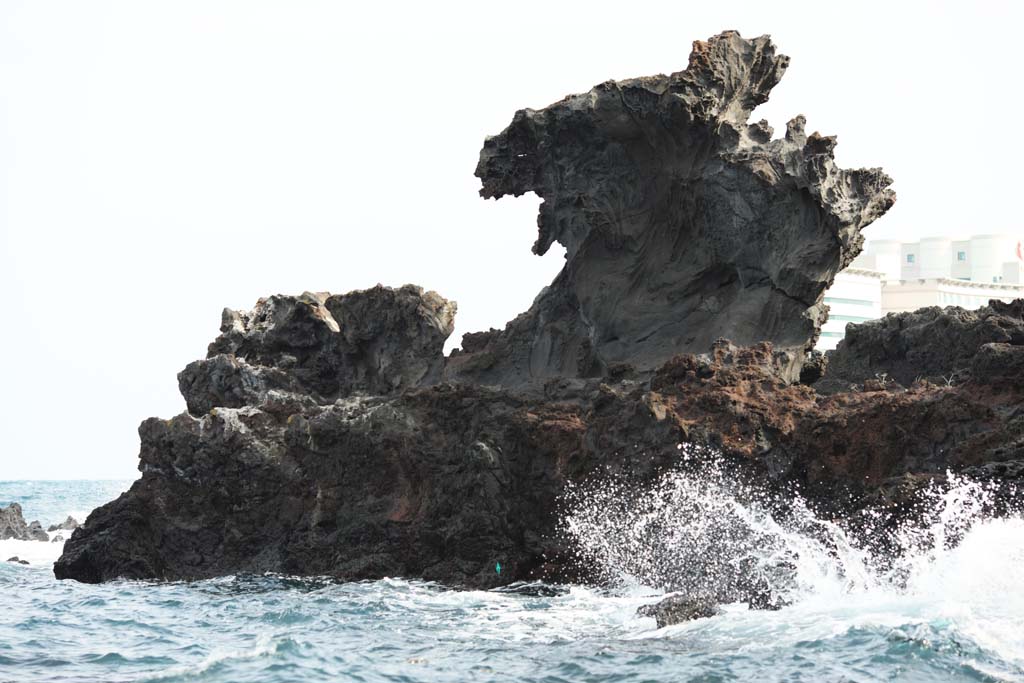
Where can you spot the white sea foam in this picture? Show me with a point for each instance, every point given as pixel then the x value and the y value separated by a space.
pixel 36 553
pixel 956 572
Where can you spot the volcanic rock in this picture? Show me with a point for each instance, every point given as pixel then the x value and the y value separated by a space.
pixel 682 222
pixel 326 434
pixel 940 345
pixel 12 523
pixel 13 526
pixel 17 560
pixel 322 347
pixel 443 482
pixel 69 524
pixel 36 533
pixel 676 609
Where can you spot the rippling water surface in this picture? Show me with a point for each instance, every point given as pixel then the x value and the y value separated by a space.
pixel 958 614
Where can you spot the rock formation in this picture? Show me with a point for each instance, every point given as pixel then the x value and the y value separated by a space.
pixel 322 347
pixel 69 524
pixel 682 223
pixel 442 482
pixel 327 435
pixel 942 345
pixel 13 526
pixel 676 609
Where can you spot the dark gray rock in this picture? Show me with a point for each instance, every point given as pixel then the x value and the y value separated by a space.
pixel 12 523
pixel 939 345
pixel 814 367
pixel 321 347
pixel 57 539
pixel 13 526
pixel 682 222
pixel 17 560
pixel 69 524
pixel 676 609
pixel 36 533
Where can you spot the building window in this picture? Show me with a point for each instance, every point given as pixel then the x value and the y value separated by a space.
pixel 854 302
pixel 961 256
pixel 910 258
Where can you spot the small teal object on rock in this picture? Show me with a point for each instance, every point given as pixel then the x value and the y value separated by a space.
pixel 497 567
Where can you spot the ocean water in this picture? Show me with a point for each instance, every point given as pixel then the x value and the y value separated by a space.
pixel 950 609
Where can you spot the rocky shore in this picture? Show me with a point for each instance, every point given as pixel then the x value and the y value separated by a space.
pixel 329 435
pixel 13 527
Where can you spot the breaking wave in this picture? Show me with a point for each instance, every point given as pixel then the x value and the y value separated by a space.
pixel 699 531
pixel 951 607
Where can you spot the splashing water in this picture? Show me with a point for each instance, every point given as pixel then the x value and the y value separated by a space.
pixel 951 611
pixel 707 535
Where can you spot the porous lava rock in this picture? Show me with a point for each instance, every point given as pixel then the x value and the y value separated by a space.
pixel 682 222
pixel 677 609
pixel 322 347
pixel 443 482
pixel 941 345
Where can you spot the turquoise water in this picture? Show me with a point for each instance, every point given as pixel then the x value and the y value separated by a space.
pixel 960 617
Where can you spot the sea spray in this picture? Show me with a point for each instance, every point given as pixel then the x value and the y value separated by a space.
pixel 958 617
pixel 704 532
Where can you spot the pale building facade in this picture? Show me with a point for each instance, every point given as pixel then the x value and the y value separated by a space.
pixel 935 271
pixel 982 259
pixel 854 297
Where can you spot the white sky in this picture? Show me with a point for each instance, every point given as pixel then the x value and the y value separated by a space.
pixel 159 161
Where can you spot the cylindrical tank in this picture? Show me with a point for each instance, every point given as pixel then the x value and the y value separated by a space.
pixel 934 257
pixel 886 255
pixel 988 254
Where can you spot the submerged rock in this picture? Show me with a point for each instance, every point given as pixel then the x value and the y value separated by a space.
pixel 69 524
pixel 676 609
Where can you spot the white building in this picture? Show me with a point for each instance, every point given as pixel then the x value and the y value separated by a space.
pixel 982 259
pixel 854 297
pixel 936 271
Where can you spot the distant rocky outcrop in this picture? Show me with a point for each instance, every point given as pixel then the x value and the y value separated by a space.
pixel 941 345
pixel 69 524
pixel 327 434
pixel 17 560
pixel 13 526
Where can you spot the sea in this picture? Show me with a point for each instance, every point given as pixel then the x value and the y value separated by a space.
pixel 950 607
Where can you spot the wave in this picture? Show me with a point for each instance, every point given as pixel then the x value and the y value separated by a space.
pixel 955 571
